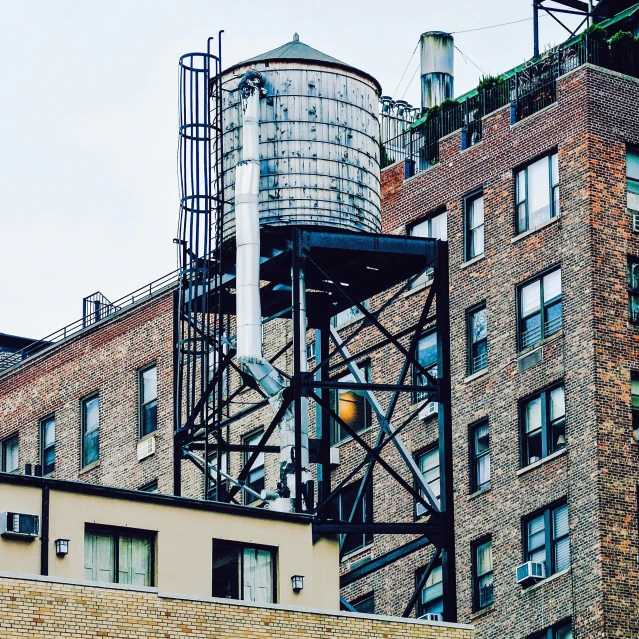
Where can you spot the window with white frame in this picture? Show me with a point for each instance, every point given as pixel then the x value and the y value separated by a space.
pixel 243 572
pixel 540 308
pixel 537 192
pixel 47 445
pixel 434 226
pixel 474 205
pixel 428 463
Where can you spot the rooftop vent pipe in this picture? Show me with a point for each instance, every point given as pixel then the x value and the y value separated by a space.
pixel 249 310
pixel 437 54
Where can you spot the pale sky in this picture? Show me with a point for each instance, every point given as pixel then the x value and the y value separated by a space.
pixel 88 120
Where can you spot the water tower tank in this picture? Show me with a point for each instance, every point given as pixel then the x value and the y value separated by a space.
pixel 319 141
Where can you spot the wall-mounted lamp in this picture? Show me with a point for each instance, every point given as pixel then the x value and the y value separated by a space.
pixel 61 547
pixel 297 581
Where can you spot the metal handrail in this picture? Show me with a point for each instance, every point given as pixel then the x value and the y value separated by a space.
pixel 9 360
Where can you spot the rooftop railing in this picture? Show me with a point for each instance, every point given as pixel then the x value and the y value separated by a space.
pixel 9 360
pixel 527 91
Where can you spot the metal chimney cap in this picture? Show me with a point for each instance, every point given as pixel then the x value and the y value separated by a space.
pixel 436 33
pixel 296 37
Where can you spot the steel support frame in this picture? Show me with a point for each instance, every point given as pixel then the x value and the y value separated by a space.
pixel 575 7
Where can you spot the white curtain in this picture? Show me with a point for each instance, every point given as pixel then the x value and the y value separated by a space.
pixel 257 575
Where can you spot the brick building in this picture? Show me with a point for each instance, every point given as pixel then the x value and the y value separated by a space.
pixel 537 212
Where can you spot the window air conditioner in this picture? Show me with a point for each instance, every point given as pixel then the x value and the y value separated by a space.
pixel 146 448
pixel 635 222
pixel 432 616
pixel 19 525
pixel 530 573
pixel 429 409
pixel 334 457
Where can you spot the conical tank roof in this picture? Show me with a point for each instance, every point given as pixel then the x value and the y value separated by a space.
pixel 296 51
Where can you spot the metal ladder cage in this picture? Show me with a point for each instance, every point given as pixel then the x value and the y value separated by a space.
pixel 201 325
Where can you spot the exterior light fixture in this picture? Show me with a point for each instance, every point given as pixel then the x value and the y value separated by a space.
pixel 297 581
pixel 61 547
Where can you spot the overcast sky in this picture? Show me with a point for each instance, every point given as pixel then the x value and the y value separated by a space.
pixel 88 120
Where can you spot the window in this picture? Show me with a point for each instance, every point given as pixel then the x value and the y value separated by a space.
pixel 544 424
pixel 634 401
pixel 434 227
pixel 351 406
pixel 537 187
pixel 365 603
pixel 561 630
pixel 540 314
pixel 482 574
pixel 118 557
pixel 363 515
pixel 632 179
pixel 349 315
pixel 480 456
pixel 427 358
pixel 431 598
pixel 90 430
pixel 474 205
pixel 10 456
pixel 47 445
pixel 148 388
pixel 243 572
pixel 546 539
pixel 633 290
pixel 477 339
pixel 151 487
pixel 215 492
pixel 428 463
pixel 255 478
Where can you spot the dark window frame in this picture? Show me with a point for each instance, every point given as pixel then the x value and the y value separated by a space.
pixel 552 631
pixel 416 377
pixel 426 277
pixel 475 457
pixel 468 236
pixel 122 531
pixel 633 290
pixel 634 377
pixel 42 422
pixel 358 601
pixel 419 610
pixel 550 541
pixel 547 425
pixel 83 403
pixel 555 206
pixel 634 150
pixel 247 497
pixel 482 364
pixel 366 505
pixel 336 427
pixel 419 510
pixel 476 577
pixel 3 444
pixel 150 487
pixel 274 550
pixel 544 306
pixel 142 404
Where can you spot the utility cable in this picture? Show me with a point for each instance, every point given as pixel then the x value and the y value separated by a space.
pixel 493 26
pixel 410 81
pixel 406 69
pixel 467 59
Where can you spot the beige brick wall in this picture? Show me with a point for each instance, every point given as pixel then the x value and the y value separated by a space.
pixel 39 608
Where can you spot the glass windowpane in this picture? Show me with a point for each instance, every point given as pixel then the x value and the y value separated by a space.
pixel 533 415
pixel 552 286
pixel 557 403
pixel 149 384
pixel 521 186
pixel 439 227
pixel 11 455
pixel 554 159
pixel 91 414
pixel 530 298
pixel 632 164
pixel 538 192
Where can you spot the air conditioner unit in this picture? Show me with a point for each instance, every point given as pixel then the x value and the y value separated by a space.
pixel 146 448
pixel 19 525
pixel 635 222
pixel 530 573
pixel 429 409
pixel 334 457
pixel 432 616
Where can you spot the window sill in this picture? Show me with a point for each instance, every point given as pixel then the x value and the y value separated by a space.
pixel 418 289
pixel 468 263
pixel 482 611
pixel 538 585
pixel 148 436
pixel 349 439
pixel 89 467
pixel 348 323
pixel 479 492
pixel 477 375
pixel 543 225
pixel 354 555
pixel 534 347
pixel 541 462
